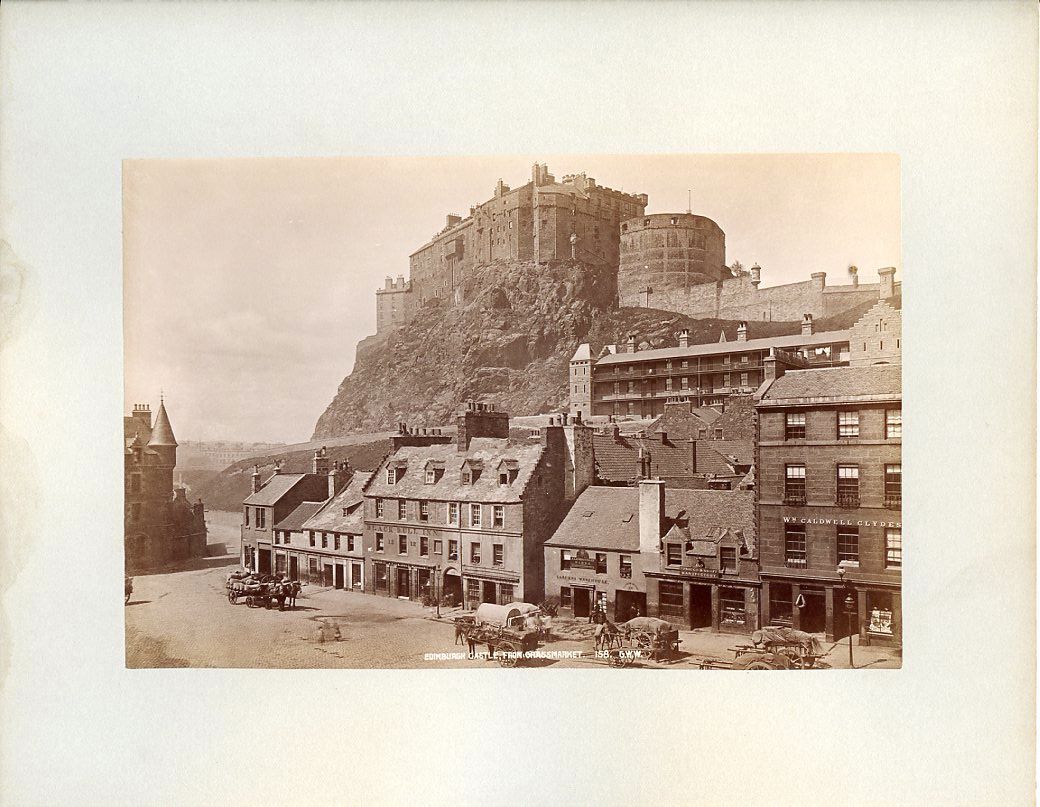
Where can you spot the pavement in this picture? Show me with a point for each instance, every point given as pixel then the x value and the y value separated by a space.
pixel 180 617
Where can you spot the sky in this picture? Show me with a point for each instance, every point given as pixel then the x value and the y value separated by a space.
pixel 248 283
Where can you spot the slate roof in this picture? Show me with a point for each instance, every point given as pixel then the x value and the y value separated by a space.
pixel 276 487
pixel 162 431
pixel 294 521
pixel 330 517
pixel 608 518
pixel 791 341
pixel 487 450
pixel 617 459
pixel 836 384
pixel 583 353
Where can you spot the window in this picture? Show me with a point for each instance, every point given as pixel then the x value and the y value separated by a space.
pixel 718 434
pixel 402 509
pixel 474 515
pixel 848 545
pixel 631 387
pixel 424 546
pixel 350 543
pixel 893 423
pixel 277 536
pixel 668 383
pixel 601 563
pixel 310 538
pixel 497 554
pixel 702 433
pixel 474 552
pixel 453 549
pixel 684 382
pixel 626 565
pixel 731 606
pixel 438 546
pixel 743 379
pixel 565 559
pixel 247 517
pixel 781 604
pixel 498 516
pixel 794 546
pixel 794 484
pixel 431 476
pixel 453 513
pixel 848 424
pixel 728 558
pixel 324 540
pixel 505 594
pixel 467 477
pixel 795 426
pixel 671 599
pixel 391 476
pixel 379 572
pixel 287 538
pixel 566 599
pixel 336 542
pixel 424 511
pixel 261 517
pixel 503 476
pixel 380 543
pixel 379 508
pixel 685 364
pixel 402 544
pixel 893 548
pixel 848 485
pixel 313 575
pixel 674 557
pixel 893 485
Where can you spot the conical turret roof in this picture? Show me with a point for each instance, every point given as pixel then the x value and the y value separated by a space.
pixel 162 431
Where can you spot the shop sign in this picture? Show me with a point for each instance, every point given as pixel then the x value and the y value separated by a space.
pixel 691 571
pixel 581 560
pixel 843 522
pixel 880 621
pixel 577 578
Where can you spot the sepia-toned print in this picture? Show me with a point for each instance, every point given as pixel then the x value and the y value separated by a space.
pixel 643 416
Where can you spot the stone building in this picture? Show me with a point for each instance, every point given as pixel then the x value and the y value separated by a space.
pixel 273 501
pixel 466 517
pixel 669 252
pixel 687 556
pixel 160 525
pixel 542 220
pixel 639 383
pixel 743 297
pixel 829 493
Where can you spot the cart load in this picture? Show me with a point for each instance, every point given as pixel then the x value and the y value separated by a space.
pixel 507 643
pixel 774 638
pixel 656 636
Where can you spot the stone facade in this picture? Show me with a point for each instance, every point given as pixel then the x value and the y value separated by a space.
pixel 669 252
pixel 543 220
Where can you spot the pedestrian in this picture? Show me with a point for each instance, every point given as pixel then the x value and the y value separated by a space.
pixel 472 646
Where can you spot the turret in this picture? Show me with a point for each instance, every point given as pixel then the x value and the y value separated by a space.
pixel 162 440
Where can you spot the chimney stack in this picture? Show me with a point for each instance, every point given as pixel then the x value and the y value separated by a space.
pixel 854 275
pixel 756 275
pixel 819 280
pixel 807 325
pixel 887 287
pixel 742 332
pixel 389 282
pixel 651 515
pixel 684 337
pixel 631 343
pixel 400 281
pixel 256 479
pixel 479 420
pixel 320 465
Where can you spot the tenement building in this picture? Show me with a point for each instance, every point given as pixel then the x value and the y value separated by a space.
pixel 160 525
pixel 542 220
pixel 329 551
pixel 687 556
pixel 829 492
pixel 465 518
pixel 638 383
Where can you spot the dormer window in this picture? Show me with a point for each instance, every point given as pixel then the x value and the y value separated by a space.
pixel 467 478
pixel 391 476
pixel 503 477
pixel 431 476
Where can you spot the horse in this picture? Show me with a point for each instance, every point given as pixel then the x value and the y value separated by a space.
pixel 289 591
pixel 606 633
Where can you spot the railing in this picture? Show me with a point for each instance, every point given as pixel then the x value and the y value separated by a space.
pixel 796 563
pixel 626 573
pixel 794 500
pixel 893 502
pixel 847 500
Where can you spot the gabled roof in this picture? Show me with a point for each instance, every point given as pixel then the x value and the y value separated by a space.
pixel 583 353
pixel 835 384
pixel 612 522
pixel 275 488
pixel 791 341
pixel 331 516
pixel 162 431
pixel 295 520
pixel 489 451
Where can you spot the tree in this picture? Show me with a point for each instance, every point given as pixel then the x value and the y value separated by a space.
pixel 737 269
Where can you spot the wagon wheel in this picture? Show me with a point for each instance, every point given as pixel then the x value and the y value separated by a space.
pixel 616 660
pixel 508 654
pixel 644 641
pixel 232 597
pixel 760 665
pixel 251 601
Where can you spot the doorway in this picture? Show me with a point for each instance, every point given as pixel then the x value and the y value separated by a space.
pixel 338 575
pixel 294 567
pixel 404 588
pixel 326 575
pixel 700 606
pixel 357 576
pixel 487 592
pixel 629 604
pixel 582 601
pixel 264 561
pixel 813 615
pixel 452 591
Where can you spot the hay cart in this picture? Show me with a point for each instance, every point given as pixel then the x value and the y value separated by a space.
pixel 639 639
pixel 505 629
pixel 262 592
pixel 773 648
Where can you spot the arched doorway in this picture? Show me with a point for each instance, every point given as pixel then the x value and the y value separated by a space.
pixel 452 587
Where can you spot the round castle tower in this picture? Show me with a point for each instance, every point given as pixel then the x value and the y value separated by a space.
pixel 669 252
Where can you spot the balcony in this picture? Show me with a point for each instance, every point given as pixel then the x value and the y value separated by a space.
pixel 794 500
pixel 847 500
pixel 796 563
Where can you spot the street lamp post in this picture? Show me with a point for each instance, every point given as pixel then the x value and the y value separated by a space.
pixel 436 596
pixel 850 609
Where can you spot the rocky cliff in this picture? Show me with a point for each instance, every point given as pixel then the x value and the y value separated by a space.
pixel 509 343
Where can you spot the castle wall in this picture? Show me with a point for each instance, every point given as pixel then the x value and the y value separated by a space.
pixel 670 252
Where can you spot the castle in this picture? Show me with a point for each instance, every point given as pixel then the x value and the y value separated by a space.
pixel 668 261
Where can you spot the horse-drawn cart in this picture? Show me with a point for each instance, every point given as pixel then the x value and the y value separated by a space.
pixel 639 639
pixel 264 591
pixel 507 630
pixel 773 648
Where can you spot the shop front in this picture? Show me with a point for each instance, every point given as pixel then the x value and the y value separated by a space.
pixel 405 581
pixel 820 606
pixel 703 599
pixel 486 585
